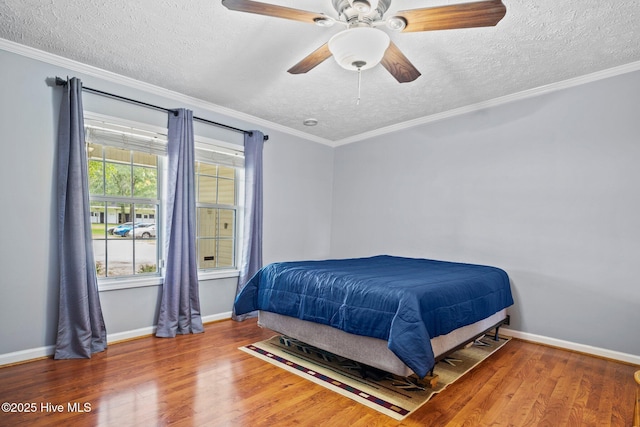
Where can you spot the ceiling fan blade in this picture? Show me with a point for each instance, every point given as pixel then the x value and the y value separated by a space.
pixel 465 15
pixel 272 10
pixel 312 60
pixel 398 65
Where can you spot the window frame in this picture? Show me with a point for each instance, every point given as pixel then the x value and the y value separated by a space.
pixel 202 144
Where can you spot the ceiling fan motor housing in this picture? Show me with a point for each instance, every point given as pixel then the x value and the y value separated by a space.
pixel 351 12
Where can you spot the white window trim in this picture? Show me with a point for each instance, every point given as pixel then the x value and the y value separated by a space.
pixel 203 143
pixel 117 283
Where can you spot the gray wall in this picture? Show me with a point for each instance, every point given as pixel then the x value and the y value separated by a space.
pixel 297 210
pixel 547 188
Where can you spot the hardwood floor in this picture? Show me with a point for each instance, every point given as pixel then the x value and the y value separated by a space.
pixel 200 380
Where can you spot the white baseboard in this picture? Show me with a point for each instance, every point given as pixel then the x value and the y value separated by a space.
pixel 568 345
pixel 25 355
pixel 40 352
pixel 151 330
pixel 216 317
pixel 128 335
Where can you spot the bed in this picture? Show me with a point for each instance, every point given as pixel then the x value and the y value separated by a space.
pixel 393 313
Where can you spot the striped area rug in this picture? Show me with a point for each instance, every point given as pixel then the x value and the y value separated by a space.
pixel 389 394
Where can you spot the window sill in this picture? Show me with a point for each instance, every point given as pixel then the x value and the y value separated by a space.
pixel 129 282
pixel 218 274
pixel 141 282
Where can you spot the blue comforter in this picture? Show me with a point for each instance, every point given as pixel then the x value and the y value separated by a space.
pixel 405 301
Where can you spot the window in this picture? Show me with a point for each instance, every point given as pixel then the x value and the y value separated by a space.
pixel 124 190
pixel 216 215
pixel 126 166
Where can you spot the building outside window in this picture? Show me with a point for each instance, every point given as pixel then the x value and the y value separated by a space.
pixel 216 207
pixel 218 191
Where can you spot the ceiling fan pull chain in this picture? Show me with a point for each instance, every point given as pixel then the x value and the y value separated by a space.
pixel 359 65
pixel 359 81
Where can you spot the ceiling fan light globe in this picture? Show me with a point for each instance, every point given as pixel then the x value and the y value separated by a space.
pixel 324 22
pixel 396 23
pixel 359 45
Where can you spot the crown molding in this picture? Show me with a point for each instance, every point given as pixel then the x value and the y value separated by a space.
pixel 70 64
pixel 90 70
pixel 530 93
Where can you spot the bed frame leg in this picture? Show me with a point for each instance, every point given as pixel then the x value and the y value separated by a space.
pixel 431 380
pixel 506 321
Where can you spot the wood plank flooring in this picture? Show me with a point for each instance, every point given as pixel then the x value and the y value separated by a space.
pixel 203 380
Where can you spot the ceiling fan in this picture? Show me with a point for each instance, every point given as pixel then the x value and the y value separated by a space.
pixel 363 44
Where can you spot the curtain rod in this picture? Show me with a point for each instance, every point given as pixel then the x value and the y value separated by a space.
pixel 61 82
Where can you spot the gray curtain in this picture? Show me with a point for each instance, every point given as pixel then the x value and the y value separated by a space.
pixel 180 303
pixel 251 260
pixel 81 329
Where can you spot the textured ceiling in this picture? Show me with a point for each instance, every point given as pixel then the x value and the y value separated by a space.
pixel 239 60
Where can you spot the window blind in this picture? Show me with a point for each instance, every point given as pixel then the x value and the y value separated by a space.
pixel 109 134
